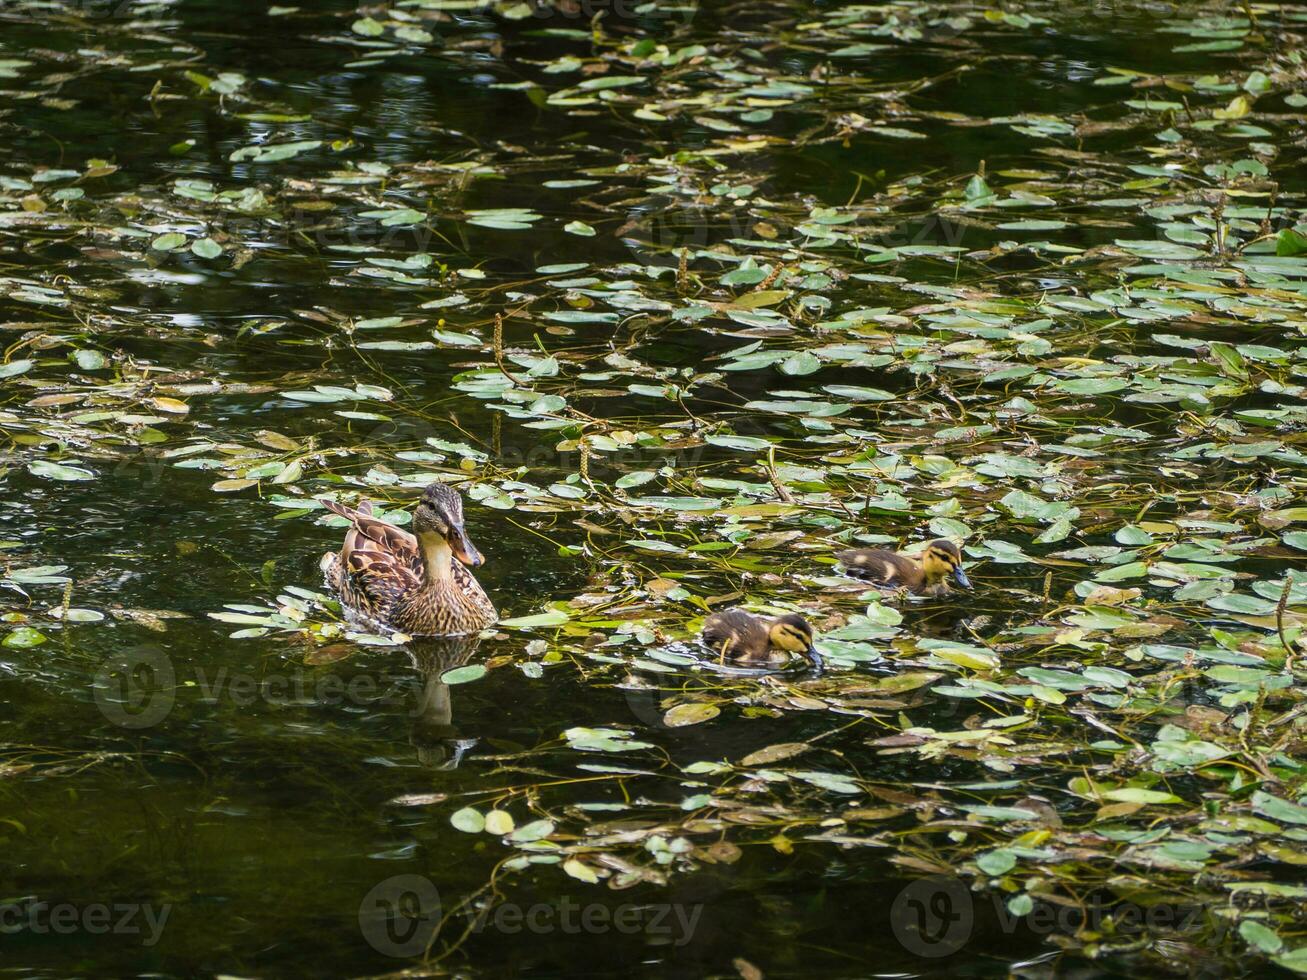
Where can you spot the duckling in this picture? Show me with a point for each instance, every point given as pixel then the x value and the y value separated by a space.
pixel 927 575
pixel 751 638
pixel 416 583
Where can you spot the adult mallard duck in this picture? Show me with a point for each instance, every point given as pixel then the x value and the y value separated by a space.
pixel 745 637
pixel 927 575
pixel 415 583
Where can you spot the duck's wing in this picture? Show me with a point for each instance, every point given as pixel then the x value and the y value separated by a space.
pixel 881 566
pixel 741 633
pixel 380 560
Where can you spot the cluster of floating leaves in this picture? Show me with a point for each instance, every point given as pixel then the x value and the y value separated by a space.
pixel 1086 366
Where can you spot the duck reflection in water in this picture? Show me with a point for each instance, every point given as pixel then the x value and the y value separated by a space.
pixel 434 733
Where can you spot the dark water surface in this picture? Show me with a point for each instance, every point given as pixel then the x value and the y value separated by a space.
pixel 283 798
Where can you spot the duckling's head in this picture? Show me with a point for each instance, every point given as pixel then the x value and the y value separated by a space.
pixel 791 632
pixel 942 560
pixel 439 515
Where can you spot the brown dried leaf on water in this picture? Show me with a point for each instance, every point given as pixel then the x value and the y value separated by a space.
pixel 775 753
pixel 1105 595
pixel 330 654
pixel 1113 811
pixel 275 440
pixel 870 814
pixel 802 702
pixel 174 406
pixel 765 542
pixel 719 852
pixel 922 865
pixel 1048 816
pixel 418 799
pixel 894 684
pixel 151 619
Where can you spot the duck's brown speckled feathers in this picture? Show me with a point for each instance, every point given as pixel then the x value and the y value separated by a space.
pixel 883 567
pixel 737 634
pixel 380 576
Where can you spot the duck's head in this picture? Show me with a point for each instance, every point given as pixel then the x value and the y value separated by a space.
pixel 439 515
pixel 942 560
pixel 791 632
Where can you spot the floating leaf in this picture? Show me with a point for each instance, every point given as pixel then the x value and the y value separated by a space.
pixel 553 617
pixel 1145 796
pixel 58 471
pixel 468 820
pixel 602 740
pixel 533 831
pixel 463 675
pixel 775 753
pixel 23 638
pixel 693 713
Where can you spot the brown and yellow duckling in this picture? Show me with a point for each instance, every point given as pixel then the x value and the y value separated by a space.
pixel 416 583
pixel 751 639
pixel 927 575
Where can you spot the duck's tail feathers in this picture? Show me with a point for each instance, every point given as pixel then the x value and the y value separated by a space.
pixel 364 509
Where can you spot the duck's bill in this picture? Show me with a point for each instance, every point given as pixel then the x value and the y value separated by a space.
pixel 960 577
pixel 463 548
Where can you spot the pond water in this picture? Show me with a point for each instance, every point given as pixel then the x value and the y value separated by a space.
pixel 685 298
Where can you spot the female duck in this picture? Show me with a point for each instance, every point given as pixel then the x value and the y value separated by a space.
pixel 927 575
pixel 415 583
pixel 745 637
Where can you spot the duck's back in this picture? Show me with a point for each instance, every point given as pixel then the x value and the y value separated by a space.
pixel 377 565
pixel 882 567
pixel 743 634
